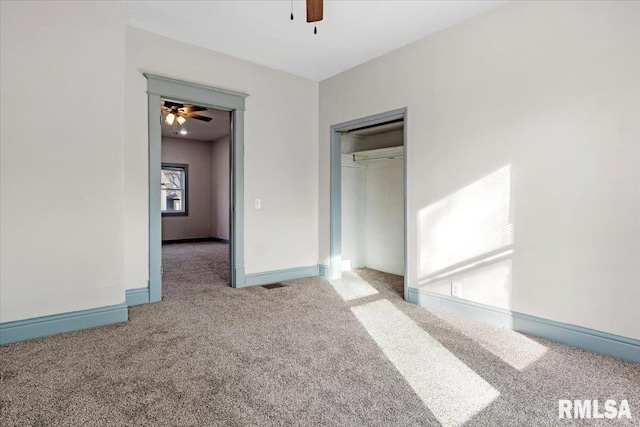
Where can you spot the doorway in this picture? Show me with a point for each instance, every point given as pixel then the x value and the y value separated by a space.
pixel 195 192
pixel 162 92
pixel 368 163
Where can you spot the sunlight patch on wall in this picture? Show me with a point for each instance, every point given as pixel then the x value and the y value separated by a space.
pixel 489 285
pixel 473 221
pixel 451 390
pixel 352 286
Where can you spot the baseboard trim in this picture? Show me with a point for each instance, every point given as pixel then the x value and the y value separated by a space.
pixel 324 271
pixel 256 279
pixel 137 296
pixel 21 330
pixel 576 336
pixel 196 240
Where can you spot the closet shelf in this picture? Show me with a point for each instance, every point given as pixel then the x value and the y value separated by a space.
pixel 378 154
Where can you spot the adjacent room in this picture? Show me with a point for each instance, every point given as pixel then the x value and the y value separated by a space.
pixel 195 188
pixel 319 213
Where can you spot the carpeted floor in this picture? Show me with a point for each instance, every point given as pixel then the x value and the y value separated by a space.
pixel 309 353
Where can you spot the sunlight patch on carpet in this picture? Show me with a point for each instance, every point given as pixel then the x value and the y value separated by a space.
pixel 352 286
pixel 451 390
pixel 512 347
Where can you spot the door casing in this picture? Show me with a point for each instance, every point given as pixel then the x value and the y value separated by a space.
pixel 335 232
pixel 161 87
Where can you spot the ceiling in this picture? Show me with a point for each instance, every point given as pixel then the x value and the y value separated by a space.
pixel 260 31
pixel 199 130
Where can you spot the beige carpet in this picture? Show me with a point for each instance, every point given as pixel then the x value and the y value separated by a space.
pixel 310 353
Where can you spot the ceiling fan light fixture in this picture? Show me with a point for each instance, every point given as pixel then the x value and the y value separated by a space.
pixel 181 120
pixel 170 118
pixel 183 131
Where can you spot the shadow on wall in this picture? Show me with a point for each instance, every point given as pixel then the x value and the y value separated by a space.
pixel 465 242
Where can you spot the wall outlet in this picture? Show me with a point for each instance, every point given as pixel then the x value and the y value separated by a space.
pixel 456 289
pixel 258 203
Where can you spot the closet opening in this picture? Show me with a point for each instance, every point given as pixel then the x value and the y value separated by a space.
pixel 368 195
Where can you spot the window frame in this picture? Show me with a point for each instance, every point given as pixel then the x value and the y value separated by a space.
pixel 185 191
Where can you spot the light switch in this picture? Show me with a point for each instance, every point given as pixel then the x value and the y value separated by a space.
pixel 258 203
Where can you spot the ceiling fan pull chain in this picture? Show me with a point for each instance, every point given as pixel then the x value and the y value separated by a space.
pixel 292 10
pixel 315 29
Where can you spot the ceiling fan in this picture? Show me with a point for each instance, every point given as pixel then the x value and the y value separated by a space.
pixel 314 12
pixel 177 113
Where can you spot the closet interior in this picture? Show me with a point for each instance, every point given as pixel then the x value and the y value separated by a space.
pixel 372 195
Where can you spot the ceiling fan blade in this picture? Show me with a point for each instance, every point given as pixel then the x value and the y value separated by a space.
pixel 193 108
pixel 170 104
pixel 197 117
pixel 314 10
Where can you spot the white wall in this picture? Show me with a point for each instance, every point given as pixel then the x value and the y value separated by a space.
pixel 61 226
pixel 82 145
pixel 552 88
pixel 198 156
pixel 384 225
pixel 281 155
pixel 220 176
pixel 353 191
pixel 490 284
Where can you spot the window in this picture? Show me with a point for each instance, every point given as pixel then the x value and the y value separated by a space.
pixel 173 186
